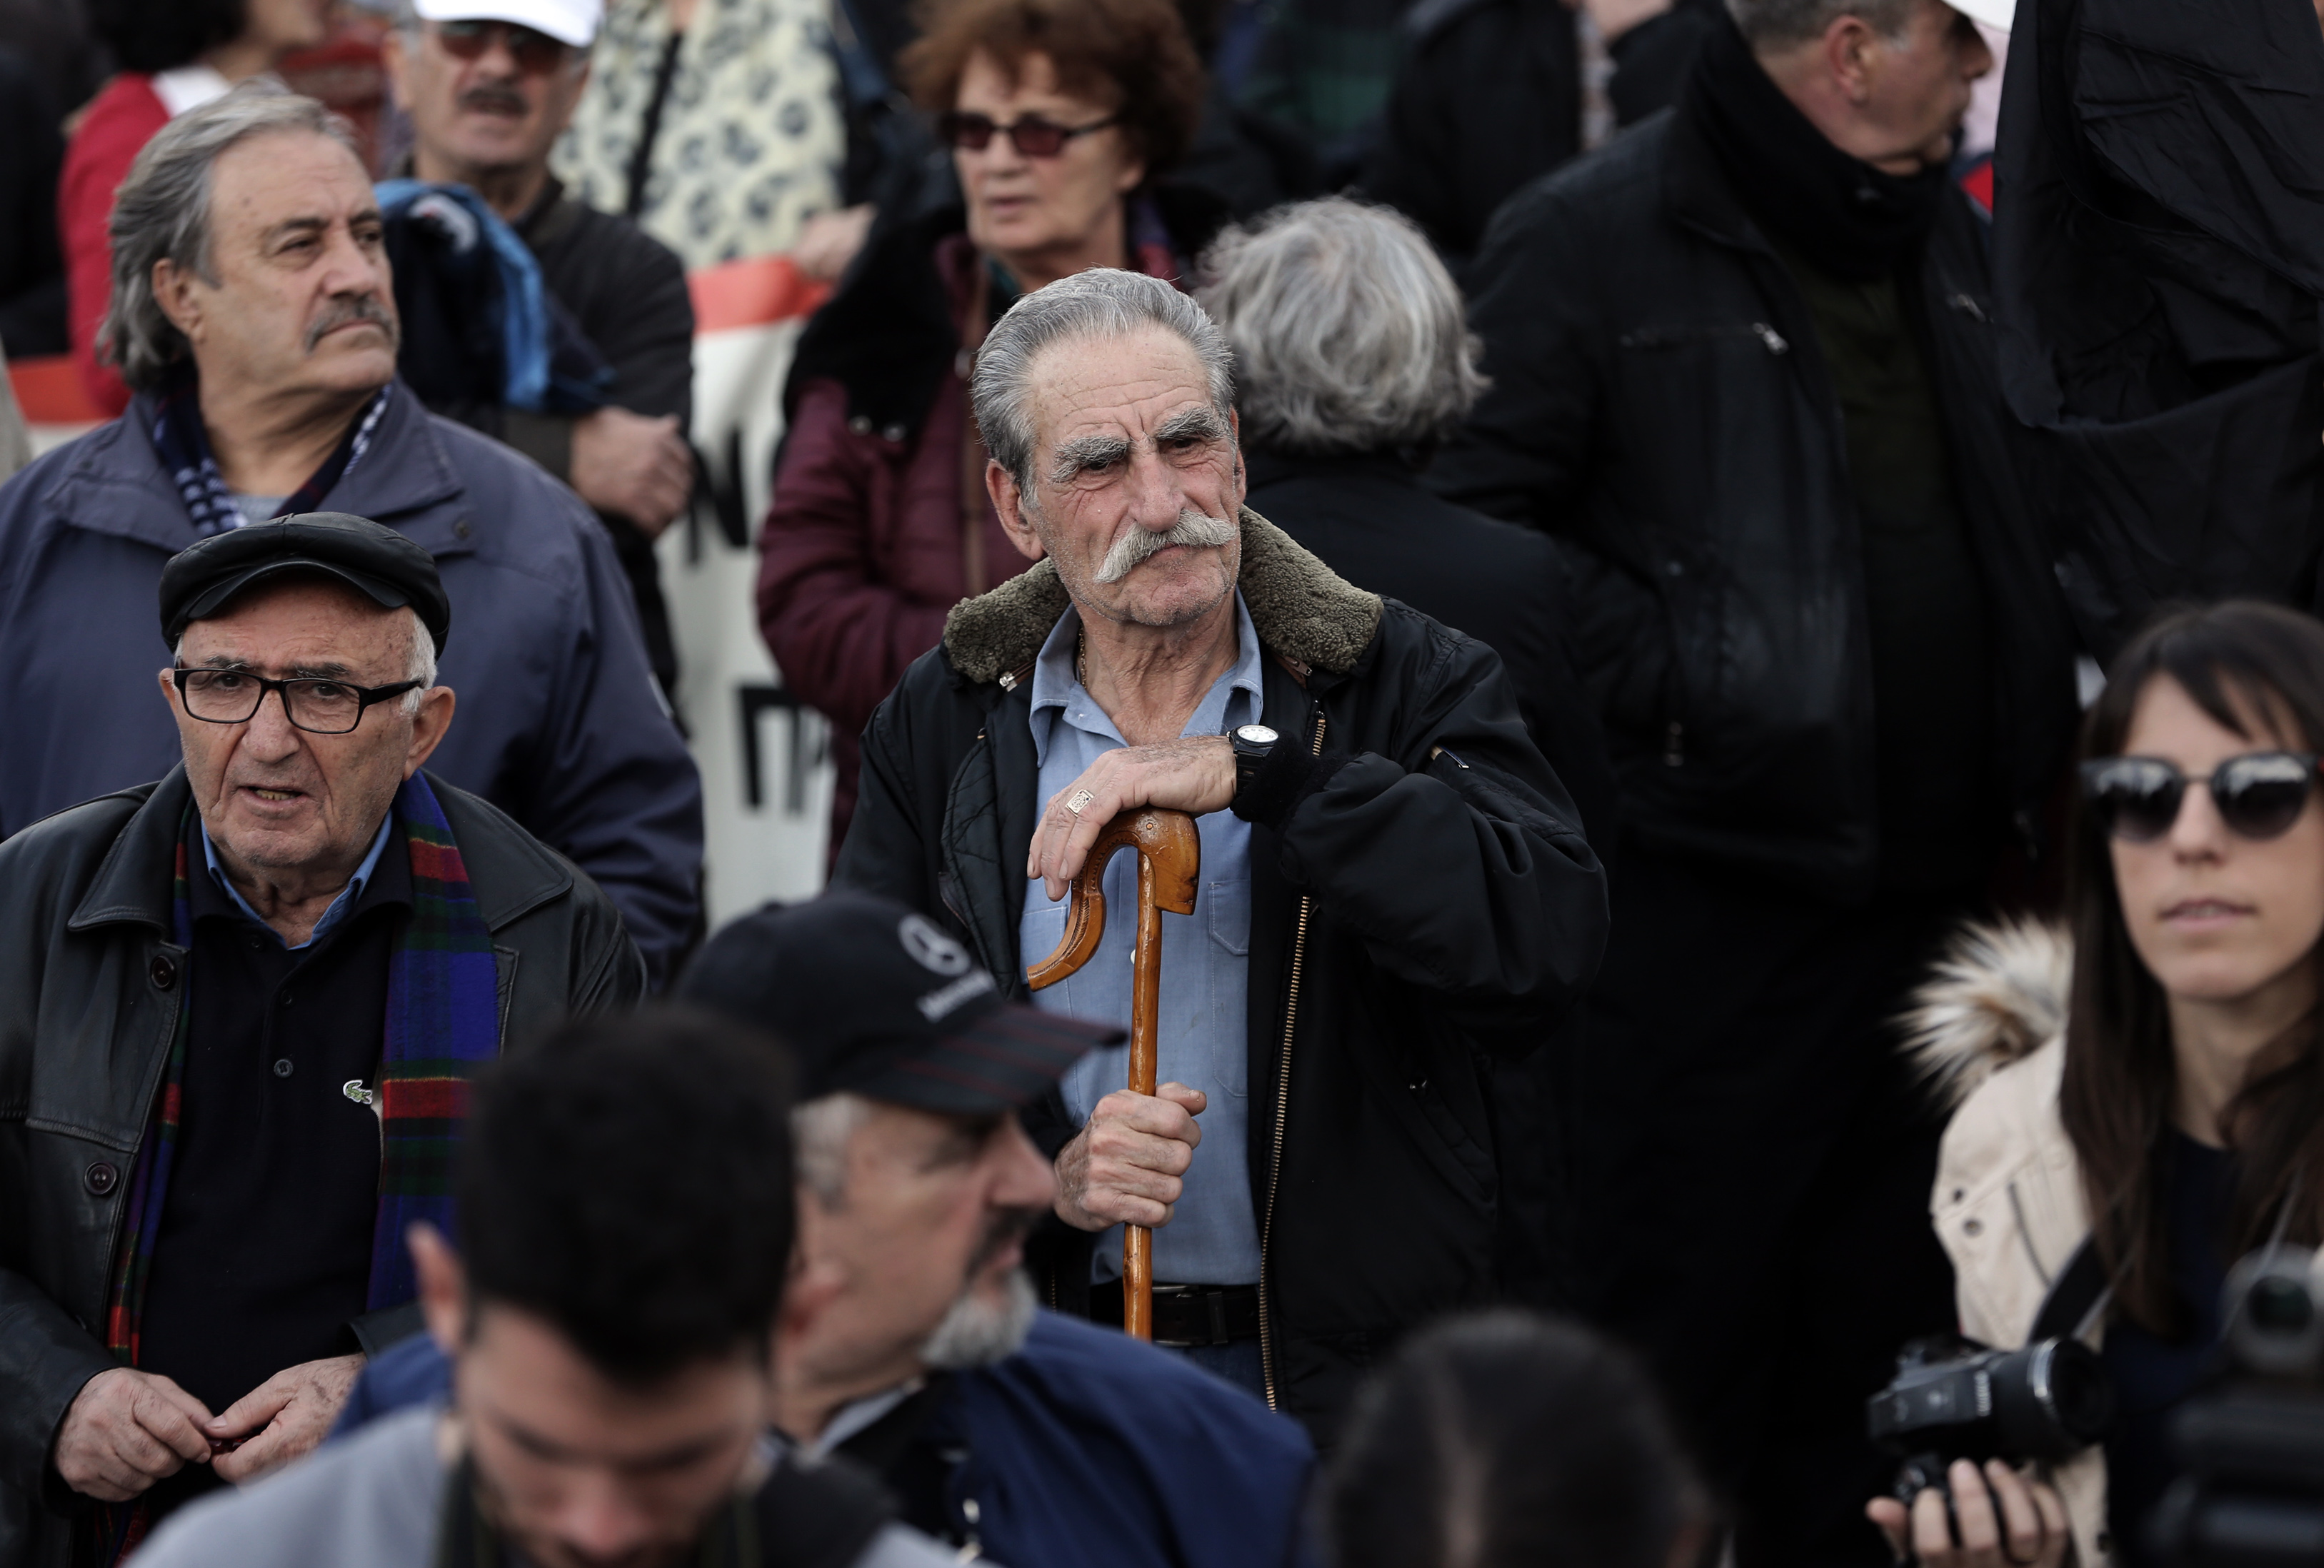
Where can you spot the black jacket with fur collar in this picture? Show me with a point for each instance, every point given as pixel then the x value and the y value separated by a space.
pixel 1420 895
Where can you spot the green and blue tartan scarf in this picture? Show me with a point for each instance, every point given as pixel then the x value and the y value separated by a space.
pixel 442 1024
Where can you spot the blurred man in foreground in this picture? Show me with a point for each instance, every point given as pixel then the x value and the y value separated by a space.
pixel 912 1343
pixel 625 1213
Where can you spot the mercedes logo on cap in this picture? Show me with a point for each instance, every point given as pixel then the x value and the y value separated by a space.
pixel 931 949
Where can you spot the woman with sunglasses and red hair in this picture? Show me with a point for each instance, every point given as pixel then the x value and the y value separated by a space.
pixel 2152 1095
pixel 1062 116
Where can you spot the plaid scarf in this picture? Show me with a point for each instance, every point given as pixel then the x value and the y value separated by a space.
pixel 442 1023
pixel 184 448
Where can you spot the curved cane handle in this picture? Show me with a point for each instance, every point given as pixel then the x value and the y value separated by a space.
pixel 1166 840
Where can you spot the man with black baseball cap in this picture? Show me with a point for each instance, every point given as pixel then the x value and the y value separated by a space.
pixel 911 1340
pixel 243 1000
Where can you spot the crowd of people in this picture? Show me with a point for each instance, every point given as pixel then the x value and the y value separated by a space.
pixel 1683 609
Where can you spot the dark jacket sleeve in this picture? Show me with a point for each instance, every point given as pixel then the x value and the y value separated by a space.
pixel 1523 452
pixel 840 634
pixel 1461 863
pixel 640 318
pixel 45 1358
pixel 886 851
pixel 617 792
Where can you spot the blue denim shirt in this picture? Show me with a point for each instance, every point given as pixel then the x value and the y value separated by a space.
pixel 348 895
pixel 1213 1239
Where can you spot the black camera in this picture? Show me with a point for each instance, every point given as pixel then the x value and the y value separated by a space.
pixel 1953 1398
pixel 2251 1490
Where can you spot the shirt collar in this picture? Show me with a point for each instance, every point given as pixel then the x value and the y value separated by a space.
pixel 1056 687
pixel 348 895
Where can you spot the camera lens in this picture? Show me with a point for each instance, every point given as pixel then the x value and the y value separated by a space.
pixel 2080 1397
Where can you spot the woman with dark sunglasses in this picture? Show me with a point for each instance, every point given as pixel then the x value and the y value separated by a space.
pixel 2152 1091
pixel 1062 117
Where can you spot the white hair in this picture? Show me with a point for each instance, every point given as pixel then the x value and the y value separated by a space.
pixel 421 666
pixel 1346 328
pixel 1104 302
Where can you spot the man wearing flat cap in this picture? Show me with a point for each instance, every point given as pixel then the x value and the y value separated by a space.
pixel 237 1008
pixel 911 1342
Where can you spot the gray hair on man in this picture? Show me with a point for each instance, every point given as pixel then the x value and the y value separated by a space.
pixel 162 213
pixel 1104 302
pixel 1346 329
pixel 1774 24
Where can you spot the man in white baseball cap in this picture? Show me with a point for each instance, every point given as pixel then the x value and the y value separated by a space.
pixel 572 22
pixel 490 86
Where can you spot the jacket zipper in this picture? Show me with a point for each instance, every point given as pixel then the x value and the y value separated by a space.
pixel 1282 1115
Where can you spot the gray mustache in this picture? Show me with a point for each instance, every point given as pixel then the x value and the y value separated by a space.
pixel 362 307
pixel 1193 528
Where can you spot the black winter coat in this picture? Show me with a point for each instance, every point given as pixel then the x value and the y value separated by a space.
pixel 1661 404
pixel 2158 262
pixel 1489 98
pixel 1429 901
pixel 88 1003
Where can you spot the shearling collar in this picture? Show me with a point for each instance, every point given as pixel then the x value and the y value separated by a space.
pixel 1300 608
pixel 1998 996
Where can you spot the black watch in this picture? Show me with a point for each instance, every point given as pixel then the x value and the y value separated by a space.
pixel 1252 744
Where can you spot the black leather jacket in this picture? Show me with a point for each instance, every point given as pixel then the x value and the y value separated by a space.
pixel 89 1002
pixel 1429 898
pixel 1660 404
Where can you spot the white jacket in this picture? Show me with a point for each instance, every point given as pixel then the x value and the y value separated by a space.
pixel 1989 1029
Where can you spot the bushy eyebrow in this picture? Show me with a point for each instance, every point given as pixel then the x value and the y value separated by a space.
pixel 1083 453
pixel 1200 422
pixel 329 669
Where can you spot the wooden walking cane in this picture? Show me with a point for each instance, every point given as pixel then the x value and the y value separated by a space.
pixel 1169 859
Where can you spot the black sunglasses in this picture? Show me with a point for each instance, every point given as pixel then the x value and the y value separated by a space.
pixel 535 53
pixel 2258 795
pixel 1033 136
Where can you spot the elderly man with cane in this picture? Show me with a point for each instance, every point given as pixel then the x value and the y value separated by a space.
pixel 237 1009
pixel 1393 883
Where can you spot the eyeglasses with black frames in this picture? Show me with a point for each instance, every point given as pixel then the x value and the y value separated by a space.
pixel 1033 136
pixel 2258 795
pixel 316 706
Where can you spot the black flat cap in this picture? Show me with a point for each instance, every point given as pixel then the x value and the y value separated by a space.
pixel 875 1000
pixel 374 560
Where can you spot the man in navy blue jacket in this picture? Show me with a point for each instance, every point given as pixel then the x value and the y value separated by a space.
pixel 911 1340
pixel 253 314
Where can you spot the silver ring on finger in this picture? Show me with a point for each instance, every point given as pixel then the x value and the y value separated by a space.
pixel 1079 798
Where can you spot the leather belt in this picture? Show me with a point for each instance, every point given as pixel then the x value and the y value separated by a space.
pixel 1187 1315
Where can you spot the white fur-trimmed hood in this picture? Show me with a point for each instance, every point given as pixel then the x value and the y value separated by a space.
pixel 1998 995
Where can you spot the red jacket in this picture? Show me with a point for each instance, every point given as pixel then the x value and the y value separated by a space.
pixel 120 120
pixel 862 556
